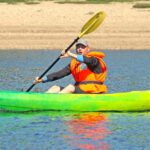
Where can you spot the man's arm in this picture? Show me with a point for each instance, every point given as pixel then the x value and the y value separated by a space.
pixel 58 75
pixel 93 64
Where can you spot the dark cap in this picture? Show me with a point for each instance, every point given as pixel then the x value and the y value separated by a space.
pixel 82 41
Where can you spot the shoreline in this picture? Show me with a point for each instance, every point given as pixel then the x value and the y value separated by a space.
pixel 51 26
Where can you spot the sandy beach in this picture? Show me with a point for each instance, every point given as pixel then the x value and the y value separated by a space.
pixel 49 25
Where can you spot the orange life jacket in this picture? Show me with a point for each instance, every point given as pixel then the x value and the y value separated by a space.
pixel 87 80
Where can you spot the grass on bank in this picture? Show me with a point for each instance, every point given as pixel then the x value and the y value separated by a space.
pixel 138 5
pixel 21 1
pixel 93 1
pixel 141 5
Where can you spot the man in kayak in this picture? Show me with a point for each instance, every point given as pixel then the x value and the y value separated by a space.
pixel 87 68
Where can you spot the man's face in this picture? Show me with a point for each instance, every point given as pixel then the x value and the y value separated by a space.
pixel 81 49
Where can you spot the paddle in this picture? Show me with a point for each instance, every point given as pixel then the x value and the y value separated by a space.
pixel 89 27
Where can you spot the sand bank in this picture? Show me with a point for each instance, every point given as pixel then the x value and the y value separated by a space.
pixel 49 25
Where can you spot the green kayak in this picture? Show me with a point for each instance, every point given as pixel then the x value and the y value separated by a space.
pixel 23 101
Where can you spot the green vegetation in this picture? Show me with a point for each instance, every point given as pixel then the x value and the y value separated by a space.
pixel 141 5
pixel 138 5
pixel 20 1
pixel 91 1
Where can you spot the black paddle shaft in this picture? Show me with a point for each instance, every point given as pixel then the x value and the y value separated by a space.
pixel 53 63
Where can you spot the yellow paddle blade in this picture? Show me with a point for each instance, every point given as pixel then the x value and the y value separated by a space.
pixel 92 24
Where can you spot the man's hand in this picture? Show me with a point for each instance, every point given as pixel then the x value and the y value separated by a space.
pixel 65 54
pixel 68 54
pixel 37 80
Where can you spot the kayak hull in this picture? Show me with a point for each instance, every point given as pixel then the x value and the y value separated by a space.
pixel 23 101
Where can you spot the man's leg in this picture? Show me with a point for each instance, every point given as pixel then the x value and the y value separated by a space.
pixel 54 89
pixel 68 89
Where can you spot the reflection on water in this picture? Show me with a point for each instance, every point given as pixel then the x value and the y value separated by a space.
pixel 88 131
pixel 54 130
pixel 74 131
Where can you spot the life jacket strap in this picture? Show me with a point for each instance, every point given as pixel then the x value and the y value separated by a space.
pixel 89 82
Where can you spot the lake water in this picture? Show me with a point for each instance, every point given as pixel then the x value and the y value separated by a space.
pixel 127 71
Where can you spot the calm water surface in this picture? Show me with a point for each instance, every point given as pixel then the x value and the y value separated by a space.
pixel 127 70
